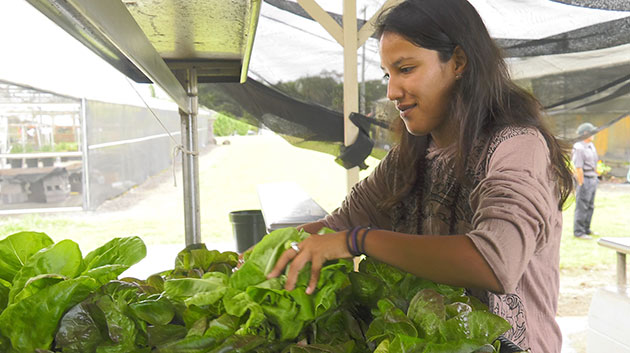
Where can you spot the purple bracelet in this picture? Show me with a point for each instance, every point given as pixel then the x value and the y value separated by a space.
pixel 351 239
pixel 355 245
pixel 362 248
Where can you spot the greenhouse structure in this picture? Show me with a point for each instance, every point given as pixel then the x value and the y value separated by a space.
pixel 59 152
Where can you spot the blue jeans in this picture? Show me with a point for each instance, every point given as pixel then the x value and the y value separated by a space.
pixel 584 206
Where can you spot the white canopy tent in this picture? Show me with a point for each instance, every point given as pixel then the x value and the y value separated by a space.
pixel 288 47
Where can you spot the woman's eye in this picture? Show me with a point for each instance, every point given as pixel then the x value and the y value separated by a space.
pixel 406 69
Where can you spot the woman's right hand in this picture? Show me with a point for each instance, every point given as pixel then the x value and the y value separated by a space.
pixel 316 249
pixel 311 228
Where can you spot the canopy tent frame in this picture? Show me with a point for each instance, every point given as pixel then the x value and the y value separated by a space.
pixel 351 40
pixel 109 29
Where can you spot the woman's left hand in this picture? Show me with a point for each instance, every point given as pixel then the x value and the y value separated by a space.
pixel 316 249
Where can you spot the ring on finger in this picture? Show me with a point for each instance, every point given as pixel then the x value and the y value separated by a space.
pixel 294 246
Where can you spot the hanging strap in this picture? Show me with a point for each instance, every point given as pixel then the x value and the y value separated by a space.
pixel 178 148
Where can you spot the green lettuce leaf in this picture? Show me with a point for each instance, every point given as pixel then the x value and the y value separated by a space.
pixel 239 303
pixel 162 334
pixel 366 289
pixel 157 282
pixel 486 326
pixel 222 327
pixel 195 256
pixel 109 309
pixel 389 322
pixel 389 275
pixel 37 283
pixel 17 248
pixel 192 344
pixel 264 256
pixel 155 311
pixel 427 312
pixel 197 291
pixel 118 251
pixel 198 259
pixel 63 259
pixel 332 279
pixel 346 347
pixel 79 331
pixel 402 343
pixel 104 274
pixel 459 346
pixel 4 295
pixel 383 347
pixel 240 344
pixel 120 327
pixel 31 323
pixel 336 328
pixel 287 310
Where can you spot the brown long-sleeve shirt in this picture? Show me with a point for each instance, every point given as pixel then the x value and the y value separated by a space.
pixel 509 211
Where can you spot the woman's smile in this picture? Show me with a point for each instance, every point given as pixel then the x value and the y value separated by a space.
pixel 405 109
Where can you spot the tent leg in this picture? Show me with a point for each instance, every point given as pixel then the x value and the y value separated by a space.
pixel 190 159
pixel 350 84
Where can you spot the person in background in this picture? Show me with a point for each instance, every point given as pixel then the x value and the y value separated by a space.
pixel 584 158
pixel 471 195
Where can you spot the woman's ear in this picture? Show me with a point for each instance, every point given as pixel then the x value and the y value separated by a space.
pixel 459 60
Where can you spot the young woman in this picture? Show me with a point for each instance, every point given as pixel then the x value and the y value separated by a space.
pixel 471 195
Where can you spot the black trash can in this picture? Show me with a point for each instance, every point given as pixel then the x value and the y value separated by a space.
pixel 248 227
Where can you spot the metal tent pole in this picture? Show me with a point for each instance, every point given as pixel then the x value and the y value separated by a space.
pixel 347 37
pixel 190 158
pixel 85 160
pixel 350 39
pixel 350 84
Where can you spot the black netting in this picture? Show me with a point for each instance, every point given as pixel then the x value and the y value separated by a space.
pixel 601 35
pixel 301 123
pixel 614 5
pixel 283 114
pixel 572 90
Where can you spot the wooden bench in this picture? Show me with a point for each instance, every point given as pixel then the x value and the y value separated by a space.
pixel 622 247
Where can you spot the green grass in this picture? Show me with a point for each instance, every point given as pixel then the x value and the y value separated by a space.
pixel 228 178
pixel 610 219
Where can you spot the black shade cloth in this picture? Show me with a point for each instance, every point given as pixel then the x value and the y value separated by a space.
pixel 303 121
pixel 284 114
pixel 598 36
pixel 355 154
pixel 614 5
pixel 309 122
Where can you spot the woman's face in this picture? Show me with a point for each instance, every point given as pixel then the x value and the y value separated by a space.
pixel 421 86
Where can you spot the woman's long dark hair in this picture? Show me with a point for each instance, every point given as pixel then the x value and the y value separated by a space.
pixel 484 100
